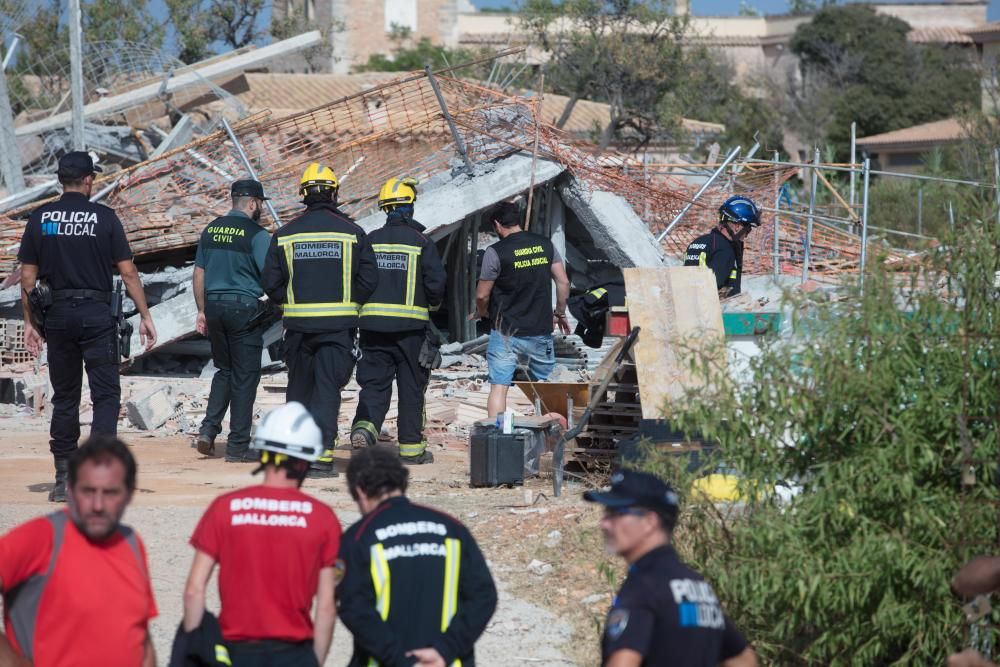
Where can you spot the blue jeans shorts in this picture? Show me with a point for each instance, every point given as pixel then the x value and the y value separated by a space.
pixel 505 353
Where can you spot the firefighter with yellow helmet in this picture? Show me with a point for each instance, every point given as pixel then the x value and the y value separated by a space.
pixel 395 325
pixel 320 269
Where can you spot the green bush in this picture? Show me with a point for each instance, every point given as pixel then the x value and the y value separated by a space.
pixel 884 408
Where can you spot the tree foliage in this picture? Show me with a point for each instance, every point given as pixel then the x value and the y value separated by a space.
pixel 198 24
pixel 857 65
pixel 408 55
pixel 625 53
pixel 884 408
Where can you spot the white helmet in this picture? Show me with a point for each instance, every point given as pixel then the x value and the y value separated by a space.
pixel 289 430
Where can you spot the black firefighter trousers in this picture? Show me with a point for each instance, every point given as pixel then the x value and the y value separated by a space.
pixel 386 356
pixel 81 333
pixel 319 366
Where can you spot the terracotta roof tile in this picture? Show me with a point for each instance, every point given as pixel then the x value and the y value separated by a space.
pixel 940 35
pixel 939 131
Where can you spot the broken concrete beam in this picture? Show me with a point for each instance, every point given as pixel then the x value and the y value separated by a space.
pixel 174 319
pixel 441 209
pixel 614 226
pixel 152 409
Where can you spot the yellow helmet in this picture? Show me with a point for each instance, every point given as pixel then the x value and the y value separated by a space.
pixel 397 191
pixel 317 174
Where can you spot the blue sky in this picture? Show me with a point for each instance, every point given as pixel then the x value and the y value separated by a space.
pixel 730 7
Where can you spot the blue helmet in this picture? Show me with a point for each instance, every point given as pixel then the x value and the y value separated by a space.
pixel 741 210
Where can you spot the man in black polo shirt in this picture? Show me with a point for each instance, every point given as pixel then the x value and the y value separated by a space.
pixel 515 293
pixel 71 245
pixel 227 290
pixel 665 612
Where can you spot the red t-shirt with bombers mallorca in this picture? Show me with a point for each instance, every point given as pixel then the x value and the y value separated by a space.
pixel 270 544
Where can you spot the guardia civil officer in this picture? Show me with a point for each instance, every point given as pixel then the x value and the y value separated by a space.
pixel 665 612
pixel 394 322
pixel 227 291
pixel 722 248
pixel 320 269
pixel 70 246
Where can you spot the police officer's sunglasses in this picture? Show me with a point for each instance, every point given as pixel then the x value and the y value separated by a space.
pixel 615 512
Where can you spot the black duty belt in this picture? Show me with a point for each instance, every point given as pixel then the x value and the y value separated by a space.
pixel 242 298
pixel 81 294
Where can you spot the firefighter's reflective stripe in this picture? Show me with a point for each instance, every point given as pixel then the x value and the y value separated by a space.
pixel 732 274
pixel 599 292
pixel 380 578
pixel 347 242
pixel 320 309
pixel 222 655
pixel 412 253
pixel 395 310
pixel 412 449
pixel 449 601
pixel 703 259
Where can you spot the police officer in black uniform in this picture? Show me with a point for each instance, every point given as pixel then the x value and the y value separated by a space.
pixel 320 269
pixel 227 291
pixel 722 248
pixel 70 246
pixel 415 586
pixel 665 612
pixel 394 325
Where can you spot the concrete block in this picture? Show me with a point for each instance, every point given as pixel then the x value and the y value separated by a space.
pixel 614 226
pixel 174 319
pixel 152 409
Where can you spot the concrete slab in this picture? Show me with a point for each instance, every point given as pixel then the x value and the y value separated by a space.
pixel 615 227
pixel 442 209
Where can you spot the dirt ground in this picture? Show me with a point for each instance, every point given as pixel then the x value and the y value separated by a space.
pixel 555 580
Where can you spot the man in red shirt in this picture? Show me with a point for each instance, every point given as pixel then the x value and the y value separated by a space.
pixel 276 548
pixel 75 583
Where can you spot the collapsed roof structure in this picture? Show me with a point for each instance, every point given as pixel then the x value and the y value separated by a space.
pixel 469 145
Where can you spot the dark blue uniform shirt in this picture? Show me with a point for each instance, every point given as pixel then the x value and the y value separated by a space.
pixel 74 243
pixel 670 615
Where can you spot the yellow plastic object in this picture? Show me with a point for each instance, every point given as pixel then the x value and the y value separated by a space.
pixel 718 488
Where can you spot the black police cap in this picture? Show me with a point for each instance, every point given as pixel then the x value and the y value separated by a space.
pixel 76 164
pixel 636 489
pixel 247 188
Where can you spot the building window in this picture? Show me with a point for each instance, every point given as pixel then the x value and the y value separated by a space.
pixel 401 14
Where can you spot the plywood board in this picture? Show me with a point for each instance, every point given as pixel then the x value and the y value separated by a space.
pixel 678 311
pixel 554 394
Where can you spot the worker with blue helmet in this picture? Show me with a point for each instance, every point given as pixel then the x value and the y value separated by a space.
pixel 722 248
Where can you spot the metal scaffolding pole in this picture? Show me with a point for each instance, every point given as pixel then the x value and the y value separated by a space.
pixel 854 161
pixel 10 51
pixel 459 144
pixel 807 250
pixel 10 156
pixel 777 207
pixel 76 73
pixel 996 180
pixel 249 167
pixel 711 179
pixel 864 219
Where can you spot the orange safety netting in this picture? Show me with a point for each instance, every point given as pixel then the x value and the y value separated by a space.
pixel 398 129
